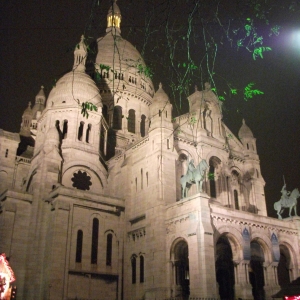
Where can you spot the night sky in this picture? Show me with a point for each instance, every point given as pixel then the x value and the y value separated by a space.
pixel 37 39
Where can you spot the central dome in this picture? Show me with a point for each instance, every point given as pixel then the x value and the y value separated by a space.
pixel 119 64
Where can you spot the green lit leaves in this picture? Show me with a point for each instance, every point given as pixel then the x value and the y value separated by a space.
pixel 275 30
pixel 142 69
pixel 189 66
pixel 249 92
pixel 211 176
pixel 258 52
pixel 87 106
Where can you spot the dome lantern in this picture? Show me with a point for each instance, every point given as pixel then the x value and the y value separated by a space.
pixel 114 18
pixel 80 54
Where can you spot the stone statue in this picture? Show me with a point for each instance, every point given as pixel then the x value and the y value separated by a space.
pixel 287 200
pixel 284 195
pixel 194 175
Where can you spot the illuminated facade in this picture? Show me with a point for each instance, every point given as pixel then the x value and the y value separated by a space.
pixel 92 208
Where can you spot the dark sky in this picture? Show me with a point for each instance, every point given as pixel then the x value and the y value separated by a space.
pixel 37 39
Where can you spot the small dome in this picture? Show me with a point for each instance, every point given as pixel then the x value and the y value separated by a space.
pixel 160 95
pixel 28 110
pixel 73 89
pixel 245 131
pixel 39 103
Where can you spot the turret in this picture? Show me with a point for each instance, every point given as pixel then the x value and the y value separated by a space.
pixel 26 121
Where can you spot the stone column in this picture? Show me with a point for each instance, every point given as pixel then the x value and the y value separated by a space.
pixel 271 279
pixel 242 287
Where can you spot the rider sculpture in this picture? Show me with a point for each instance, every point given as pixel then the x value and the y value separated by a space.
pixel 194 175
pixel 284 196
pixel 190 170
pixel 287 200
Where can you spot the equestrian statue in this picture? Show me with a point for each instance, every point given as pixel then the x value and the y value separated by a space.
pixel 287 200
pixel 194 175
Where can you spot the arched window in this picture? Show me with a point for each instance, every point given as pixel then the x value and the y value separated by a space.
pixel 79 246
pixel 80 131
pixel 141 179
pixel 143 127
pixel 65 129
pixel 214 163
pixel 133 269
pixel 131 121
pixel 88 133
pixel 117 118
pixel 212 183
pixel 141 268
pixel 109 249
pixel 95 231
pixel 236 199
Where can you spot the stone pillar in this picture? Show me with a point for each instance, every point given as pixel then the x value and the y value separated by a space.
pixel 271 280
pixel 242 288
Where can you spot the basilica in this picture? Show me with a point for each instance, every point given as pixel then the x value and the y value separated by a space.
pixel 105 195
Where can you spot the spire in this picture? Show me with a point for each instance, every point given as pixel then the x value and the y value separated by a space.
pixel 114 18
pixel 40 98
pixel 26 121
pixel 80 54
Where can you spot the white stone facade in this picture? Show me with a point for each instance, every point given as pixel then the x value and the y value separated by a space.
pixel 95 209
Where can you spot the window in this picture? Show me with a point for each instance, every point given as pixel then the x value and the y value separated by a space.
pixel 143 126
pixel 141 179
pixel 108 249
pixel 88 132
pixel 80 131
pixel 133 269
pixel 6 153
pixel 79 246
pixel 95 231
pixel 65 129
pixel 141 268
pixel 236 199
pixel 131 121
pixel 147 178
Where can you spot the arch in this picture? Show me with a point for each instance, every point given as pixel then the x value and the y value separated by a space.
pixel 180 258
pixel 224 268
pixel 256 272
pixel 131 121
pixel 284 266
pixel 234 238
pixel 117 118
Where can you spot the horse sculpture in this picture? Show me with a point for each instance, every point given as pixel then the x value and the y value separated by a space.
pixel 196 176
pixel 290 202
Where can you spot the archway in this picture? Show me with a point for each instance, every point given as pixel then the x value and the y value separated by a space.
pixel 181 264
pixel 283 269
pixel 224 269
pixel 256 272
